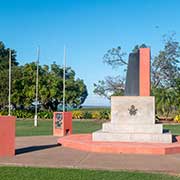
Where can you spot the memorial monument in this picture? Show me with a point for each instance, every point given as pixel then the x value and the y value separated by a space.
pixel 133 115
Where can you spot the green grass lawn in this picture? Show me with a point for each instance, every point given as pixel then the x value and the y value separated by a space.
pixel 86 126
pixel 26 128
pixel 27 173
pixel 175 129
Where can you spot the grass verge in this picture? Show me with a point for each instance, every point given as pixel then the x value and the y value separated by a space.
pixel 27 173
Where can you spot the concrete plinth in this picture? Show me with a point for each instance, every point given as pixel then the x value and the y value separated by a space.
pixel 132 120
pixel 132 137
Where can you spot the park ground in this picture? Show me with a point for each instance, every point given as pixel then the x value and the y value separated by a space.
pixel 39 157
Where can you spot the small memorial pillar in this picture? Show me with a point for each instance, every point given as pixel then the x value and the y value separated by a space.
pixel 7 136
pixel 62 123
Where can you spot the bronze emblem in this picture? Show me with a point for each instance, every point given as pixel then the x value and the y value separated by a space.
pixel 132 110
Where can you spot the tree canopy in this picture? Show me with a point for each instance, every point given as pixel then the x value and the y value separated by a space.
pixel 116 58
pixel 50 84
pixel 165 66
pixel 4 66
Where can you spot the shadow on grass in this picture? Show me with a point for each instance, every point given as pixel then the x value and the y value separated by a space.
pixel 35 148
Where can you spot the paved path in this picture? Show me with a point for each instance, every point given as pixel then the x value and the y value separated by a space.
pixel 42 151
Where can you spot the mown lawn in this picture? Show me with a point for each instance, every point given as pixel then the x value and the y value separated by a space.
pixel 26 128
pixel 28 173
pixel 175 129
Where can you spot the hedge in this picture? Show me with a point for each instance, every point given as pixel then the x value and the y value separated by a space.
pixel 28 114
pixel 78 114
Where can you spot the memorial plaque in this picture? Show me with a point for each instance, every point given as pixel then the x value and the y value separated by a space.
pixel 58 120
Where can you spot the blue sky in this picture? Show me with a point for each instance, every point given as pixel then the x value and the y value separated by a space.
pixel 88 28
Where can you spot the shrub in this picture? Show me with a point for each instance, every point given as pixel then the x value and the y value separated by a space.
pixel 96 115
pixel 101 114
pixel 87 115
pixel 4 112
pixel 28 114
pixel 45 114
pixel 77 115
pixel 177 118
pixel 22 114
pixel 105 114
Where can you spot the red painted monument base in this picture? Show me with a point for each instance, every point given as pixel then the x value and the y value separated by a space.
pixel 7 136
pixel 84 142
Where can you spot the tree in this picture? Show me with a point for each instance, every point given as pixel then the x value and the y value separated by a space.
pixel 50 83
pixel 165 76
pixel 4 57
pixel 177 93
pixel 166 101
pixel 165 67
pixel 4 69
pixel 50 86
pixel 115 58
pixel 76 91
pixel 23 87
pixel 111 86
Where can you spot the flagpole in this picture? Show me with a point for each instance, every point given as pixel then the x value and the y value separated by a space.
pixel 37 79
pixel 64 79
pixel 9 113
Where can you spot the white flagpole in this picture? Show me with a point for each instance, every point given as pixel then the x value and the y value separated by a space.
pixel 37 79
pixel 64 79
pixel 9 82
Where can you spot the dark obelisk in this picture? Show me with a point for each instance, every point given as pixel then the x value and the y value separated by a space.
pixel 138 73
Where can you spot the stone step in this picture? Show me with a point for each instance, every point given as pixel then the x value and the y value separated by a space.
pixel 132 137
pixel 132 128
